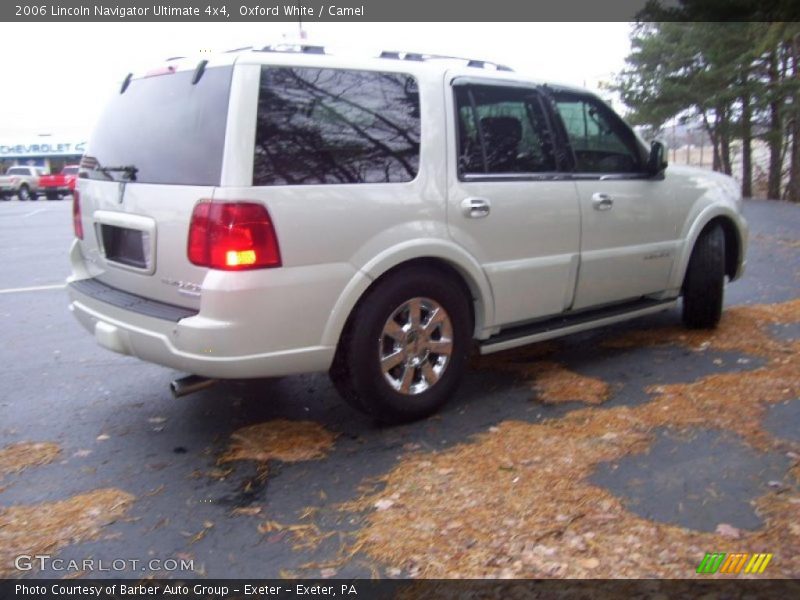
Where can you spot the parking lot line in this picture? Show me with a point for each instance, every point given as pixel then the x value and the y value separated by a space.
pixel 36 288
pixel 34 212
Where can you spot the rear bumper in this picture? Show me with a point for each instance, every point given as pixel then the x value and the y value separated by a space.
pixel 236 334
pixel 163 342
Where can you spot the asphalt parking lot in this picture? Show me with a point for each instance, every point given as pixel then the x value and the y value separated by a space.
pixel 116 469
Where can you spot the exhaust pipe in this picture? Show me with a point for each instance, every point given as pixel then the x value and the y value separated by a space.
pixel 189 385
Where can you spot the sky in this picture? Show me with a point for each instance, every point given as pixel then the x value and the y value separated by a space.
pixel 57 76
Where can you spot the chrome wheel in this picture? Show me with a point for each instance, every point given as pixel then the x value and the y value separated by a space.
pixel 415 345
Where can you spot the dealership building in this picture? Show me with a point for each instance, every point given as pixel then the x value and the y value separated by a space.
pixel 50 151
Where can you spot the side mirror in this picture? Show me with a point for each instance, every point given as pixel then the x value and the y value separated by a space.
pixel 657 161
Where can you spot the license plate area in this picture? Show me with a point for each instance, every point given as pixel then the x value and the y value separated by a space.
pixel 125 246
pixel 126 241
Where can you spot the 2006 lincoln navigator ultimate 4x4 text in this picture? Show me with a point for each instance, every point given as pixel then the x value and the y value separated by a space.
pixel 269 212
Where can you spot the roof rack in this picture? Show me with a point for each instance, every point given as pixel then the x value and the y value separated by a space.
pixel 418 56
pixel 302 48
pixel 294 47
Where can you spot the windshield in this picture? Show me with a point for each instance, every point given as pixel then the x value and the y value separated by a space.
pixel 18 171
pixel 164 130
pixel 70 170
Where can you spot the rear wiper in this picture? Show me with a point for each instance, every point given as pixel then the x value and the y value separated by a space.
pixel 129 170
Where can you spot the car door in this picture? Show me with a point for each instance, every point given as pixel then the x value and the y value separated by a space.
pixel 508 204
pixel 628 236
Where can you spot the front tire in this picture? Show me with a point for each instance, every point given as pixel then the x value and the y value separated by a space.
pixel 704 284
pixel 24 193
pixel 406 346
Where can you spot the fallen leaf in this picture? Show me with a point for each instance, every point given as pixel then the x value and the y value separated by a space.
pixel 269 526
pixel 590 563
pixel 155 491
pixel 728 531
pixel 249 511
pixel 198 536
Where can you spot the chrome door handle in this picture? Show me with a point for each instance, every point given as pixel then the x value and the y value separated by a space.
pixel 602 201
pixel 475 208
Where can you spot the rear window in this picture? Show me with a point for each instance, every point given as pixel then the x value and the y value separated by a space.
pixel 318 126
pixel 168 130
pixel 19 171
pixel 70 170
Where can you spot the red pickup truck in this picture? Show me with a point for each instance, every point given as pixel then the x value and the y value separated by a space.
pixel 59 185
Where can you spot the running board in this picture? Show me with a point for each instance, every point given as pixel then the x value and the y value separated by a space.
pixel 574 323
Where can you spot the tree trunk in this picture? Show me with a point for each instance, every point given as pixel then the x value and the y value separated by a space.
pixel 724 140
pixel 702 147
pixel 774 136
pixel 712 135
pixel 793 189
pixel 747 148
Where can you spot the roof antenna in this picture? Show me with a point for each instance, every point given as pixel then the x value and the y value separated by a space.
pixel 198 71
pixel 126 83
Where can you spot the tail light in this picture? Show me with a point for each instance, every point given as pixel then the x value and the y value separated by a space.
pixel 232 236
pixel 77 223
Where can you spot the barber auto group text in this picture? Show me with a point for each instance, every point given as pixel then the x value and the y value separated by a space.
pixel 177 589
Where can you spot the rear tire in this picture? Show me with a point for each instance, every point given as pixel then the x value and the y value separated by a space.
pixel 704 284
pixel 24 193
pixel 387 364
pixel 52 196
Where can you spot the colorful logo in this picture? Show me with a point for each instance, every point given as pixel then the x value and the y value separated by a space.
pixel 733 564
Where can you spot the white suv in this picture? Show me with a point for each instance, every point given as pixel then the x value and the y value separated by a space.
pixel 269 212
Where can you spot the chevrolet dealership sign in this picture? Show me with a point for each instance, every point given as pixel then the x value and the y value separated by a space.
pixel 45 146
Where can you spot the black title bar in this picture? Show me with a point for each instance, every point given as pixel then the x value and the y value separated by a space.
pixel 341 589
pixel 397 10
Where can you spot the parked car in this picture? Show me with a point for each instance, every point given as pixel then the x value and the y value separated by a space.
pixel 378 218
pixel 22 181
pixel 58 185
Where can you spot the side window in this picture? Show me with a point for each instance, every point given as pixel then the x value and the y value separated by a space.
pixel 502 130
pixel 318 126
pixel 601 142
